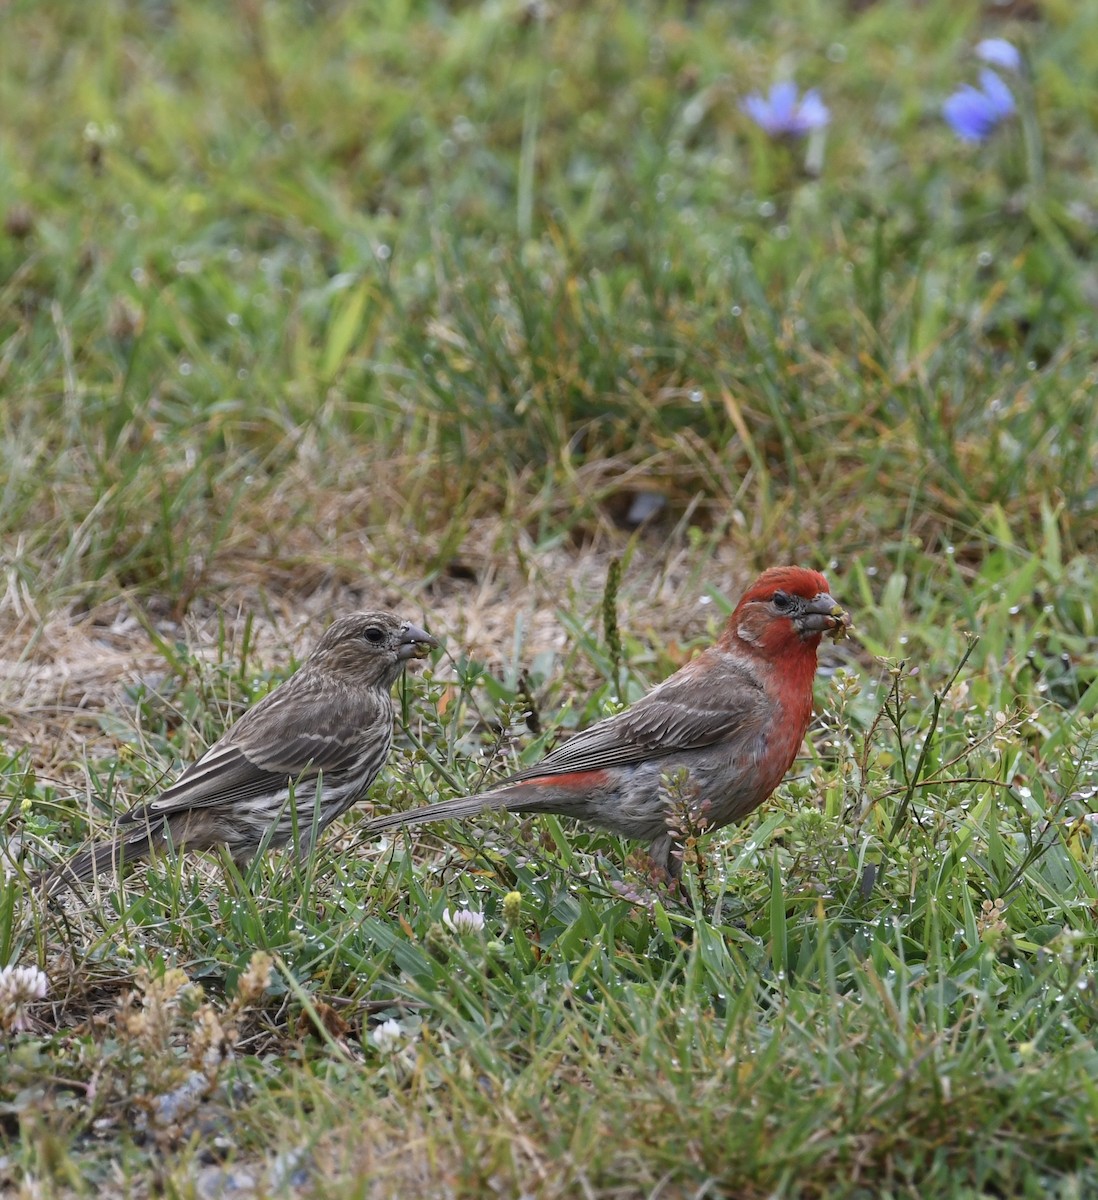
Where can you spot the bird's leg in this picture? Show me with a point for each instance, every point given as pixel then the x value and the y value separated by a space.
pixel 665 859
pixel 236 878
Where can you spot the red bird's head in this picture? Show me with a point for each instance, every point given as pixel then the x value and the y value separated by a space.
pixel 786 612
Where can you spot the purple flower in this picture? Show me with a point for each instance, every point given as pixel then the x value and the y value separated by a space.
pixel 973 113
pixel 782 115
pixel 999 53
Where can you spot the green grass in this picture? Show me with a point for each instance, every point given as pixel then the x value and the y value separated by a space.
pixel 305 306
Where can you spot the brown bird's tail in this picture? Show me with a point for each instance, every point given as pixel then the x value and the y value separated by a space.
pixel 447 810
pixel 103 858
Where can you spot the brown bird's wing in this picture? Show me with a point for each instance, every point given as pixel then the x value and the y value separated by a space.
pixel 682 713
pixel 287 735
pixel 223 775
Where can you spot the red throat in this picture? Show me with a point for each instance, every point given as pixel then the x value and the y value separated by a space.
pixel 774 641
pixel 755 629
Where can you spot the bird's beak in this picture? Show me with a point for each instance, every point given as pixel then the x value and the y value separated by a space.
pixel 822 614
pixel 415 643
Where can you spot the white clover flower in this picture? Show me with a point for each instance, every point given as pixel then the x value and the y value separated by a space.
pixel 463 920
pixel 19 987
pixel 388 1036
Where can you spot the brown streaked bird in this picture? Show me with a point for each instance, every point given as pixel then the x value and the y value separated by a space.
pixel 729 723
pixel 320 737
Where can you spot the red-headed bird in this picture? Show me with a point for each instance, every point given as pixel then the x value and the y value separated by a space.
pixel 729 723
pixel 319 739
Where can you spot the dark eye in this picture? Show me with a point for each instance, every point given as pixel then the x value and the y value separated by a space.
pixel 373 635
pixel 783 601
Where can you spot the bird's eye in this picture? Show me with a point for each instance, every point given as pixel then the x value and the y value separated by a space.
pixel 783 601
pixel 373 635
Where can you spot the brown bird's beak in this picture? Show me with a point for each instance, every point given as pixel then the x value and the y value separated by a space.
pixel 822 614
pixel 415 643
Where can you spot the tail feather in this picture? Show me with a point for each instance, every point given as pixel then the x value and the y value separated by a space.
pixel 103 858
pixel 447 810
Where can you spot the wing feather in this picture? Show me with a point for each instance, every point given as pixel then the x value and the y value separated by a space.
pixel 292 734
pixel 682 713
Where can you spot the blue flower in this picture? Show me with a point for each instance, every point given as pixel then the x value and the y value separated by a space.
pixel 973 113
pixel 782 115
pixel 999 53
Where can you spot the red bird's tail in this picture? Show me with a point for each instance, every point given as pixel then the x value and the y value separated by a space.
pixel 447 810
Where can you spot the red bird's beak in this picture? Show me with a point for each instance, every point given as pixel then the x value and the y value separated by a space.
pixel 822 614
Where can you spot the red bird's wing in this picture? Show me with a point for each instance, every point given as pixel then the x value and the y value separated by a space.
pixel 712 699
